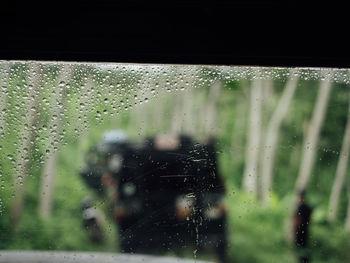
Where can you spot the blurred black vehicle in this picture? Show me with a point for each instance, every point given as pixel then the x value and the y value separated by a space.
pixel 92 221
pixel 168 193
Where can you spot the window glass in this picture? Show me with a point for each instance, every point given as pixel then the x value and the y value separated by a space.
pixel 212 163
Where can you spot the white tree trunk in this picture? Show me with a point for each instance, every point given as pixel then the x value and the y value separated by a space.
pixel 47 186
pixel 272 136
pixel 347 220
pixel 268 89
pixel 50 167
pixel 238 131
pixel 310 144
pixel 86 98
pixel 26 145
pixel 4 81
pixel 240 117
pixel 177 117
pixel 313 133
pixel 190 124
pixel 340 173
pixel 158 117
pixel 188 112
pixel 254 137
pixel 140 116
pixel 210 125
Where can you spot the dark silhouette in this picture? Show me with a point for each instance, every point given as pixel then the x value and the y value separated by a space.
pixel 92 221
pixel 301 223
pixel 168 193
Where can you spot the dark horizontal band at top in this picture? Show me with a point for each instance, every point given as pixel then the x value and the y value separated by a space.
pixel 258 33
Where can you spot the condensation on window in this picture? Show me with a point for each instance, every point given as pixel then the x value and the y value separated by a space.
pixel 168 162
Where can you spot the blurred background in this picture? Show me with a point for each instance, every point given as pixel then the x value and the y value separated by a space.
pixel 274 132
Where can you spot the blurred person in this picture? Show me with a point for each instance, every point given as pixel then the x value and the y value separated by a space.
pixel 301 223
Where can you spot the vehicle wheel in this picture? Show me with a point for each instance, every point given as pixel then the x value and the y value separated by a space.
pixel 221 248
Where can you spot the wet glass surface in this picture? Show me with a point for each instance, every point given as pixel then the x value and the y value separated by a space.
pixel 214 163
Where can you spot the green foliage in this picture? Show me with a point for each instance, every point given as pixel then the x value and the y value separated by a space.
pixel 330 243
pixel 256 229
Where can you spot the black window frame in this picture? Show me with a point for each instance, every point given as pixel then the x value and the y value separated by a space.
pixel 247 33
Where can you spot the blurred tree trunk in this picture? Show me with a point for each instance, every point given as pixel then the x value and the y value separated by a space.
pixel 177 117
pixel 313 133
pixel 196 124
pixel 50 167
pixel 26 144
pixel 340 173
pixel 183 120
pixel 266 98
pixel 268 89
pixel 156 109
pixel 240 117
pixel 144 117
pixel 310 144
pixel 347 220
pixel 188 112
pixel 158 118
pixel 210 125
pixel 138 116
pixel 272 136
pixel 254 137
pixel 4 81
pixel 86 98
